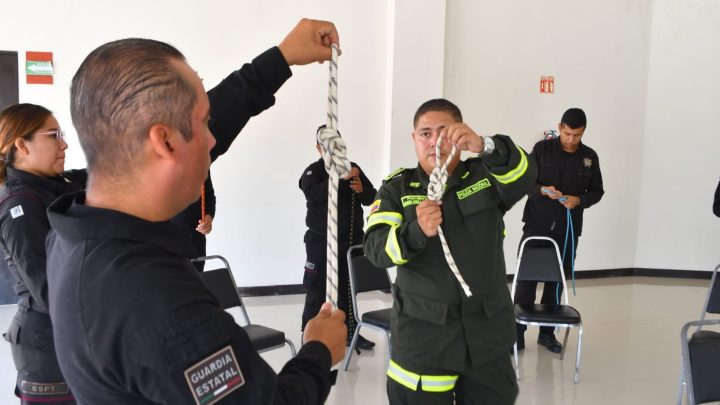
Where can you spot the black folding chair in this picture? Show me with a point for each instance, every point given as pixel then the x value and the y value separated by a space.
pixel 365 277
pixel 539 260
pixel 701 352
pixel 221 284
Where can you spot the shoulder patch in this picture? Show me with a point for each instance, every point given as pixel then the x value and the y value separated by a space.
pixel 214 377
pixel 374 207
pixel 16 211
pixel 394 174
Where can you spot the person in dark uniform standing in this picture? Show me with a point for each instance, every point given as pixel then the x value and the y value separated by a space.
pixel 32 164
pixel 448 347
pixel 354 191
pixel 569 180
pixel 133 321
pixel 198 222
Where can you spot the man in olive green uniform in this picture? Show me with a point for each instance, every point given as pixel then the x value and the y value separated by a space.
pixel 447 346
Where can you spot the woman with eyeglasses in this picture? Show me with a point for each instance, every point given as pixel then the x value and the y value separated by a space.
pixel 32 164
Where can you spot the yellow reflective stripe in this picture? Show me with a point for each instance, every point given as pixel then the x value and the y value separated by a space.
pixel 515 173
pixel 429 383
pixel 394 220
pixel 438 383
pixel 384 217
pixel 403 377
pixel 392 247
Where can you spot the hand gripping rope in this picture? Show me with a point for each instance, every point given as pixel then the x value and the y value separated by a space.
pixel 337 165
pixel 436 189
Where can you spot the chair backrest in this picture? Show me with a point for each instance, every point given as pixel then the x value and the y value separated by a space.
pixel 364 275
pixel 539 260
pixel 712 301
pixel 221 283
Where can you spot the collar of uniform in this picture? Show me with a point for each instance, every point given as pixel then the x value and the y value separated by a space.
pixel 55 184
pixel 69 216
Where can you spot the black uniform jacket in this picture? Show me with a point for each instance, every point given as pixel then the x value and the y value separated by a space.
pixel 580 177
pixel 24 226
pixel 434 325
pixel 132 316
pixel 133 322
pixel 314 184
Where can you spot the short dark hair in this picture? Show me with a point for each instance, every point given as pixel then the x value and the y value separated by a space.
pixel 574 118
pixel 438 104
pixel 122 89
pixel 18 121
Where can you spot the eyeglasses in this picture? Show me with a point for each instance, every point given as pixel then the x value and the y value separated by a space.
pixel 56 134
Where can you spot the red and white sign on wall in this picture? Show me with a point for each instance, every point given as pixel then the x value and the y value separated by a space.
pixel 547 84
pixel 39 67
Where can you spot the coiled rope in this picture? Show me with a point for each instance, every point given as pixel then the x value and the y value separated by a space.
pixel 436 189
pixel 337 165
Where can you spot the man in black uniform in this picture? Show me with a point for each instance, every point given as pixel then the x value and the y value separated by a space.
pixel 354 191
pixel 569 178
pixel 133 321
pixel 448 347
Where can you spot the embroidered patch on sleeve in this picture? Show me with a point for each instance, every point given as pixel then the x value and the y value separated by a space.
pixel 16 211
pixel 44 388
pixel 375 206
pixel 214 377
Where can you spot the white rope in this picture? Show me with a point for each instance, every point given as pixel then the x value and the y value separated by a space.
pixel 436 189
pixel 337 165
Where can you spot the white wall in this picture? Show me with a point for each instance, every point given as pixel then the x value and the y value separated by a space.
pixel 496 52
pixel 260 218
pixel 645 71
pixel 676 227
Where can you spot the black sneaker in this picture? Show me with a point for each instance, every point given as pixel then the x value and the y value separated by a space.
pixel 548 340
pixel 362 343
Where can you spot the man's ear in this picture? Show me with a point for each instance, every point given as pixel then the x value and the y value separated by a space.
pixel 160 140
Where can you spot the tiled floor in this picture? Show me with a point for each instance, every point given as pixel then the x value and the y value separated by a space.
pixel 631 349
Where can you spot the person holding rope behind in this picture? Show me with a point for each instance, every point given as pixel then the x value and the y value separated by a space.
pixel 32 164
pixel 354 191
pixel 569 181
pixel 133 321
pixel 442 225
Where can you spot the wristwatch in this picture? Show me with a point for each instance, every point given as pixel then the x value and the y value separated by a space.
pixel 489 146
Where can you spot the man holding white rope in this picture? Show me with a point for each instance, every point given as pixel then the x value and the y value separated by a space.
pixel 133 321
pixel 452 319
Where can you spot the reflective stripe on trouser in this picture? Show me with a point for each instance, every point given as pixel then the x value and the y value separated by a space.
pixel 428 383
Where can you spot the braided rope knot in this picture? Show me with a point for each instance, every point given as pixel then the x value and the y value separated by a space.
pixel 334 152
pixel 436 189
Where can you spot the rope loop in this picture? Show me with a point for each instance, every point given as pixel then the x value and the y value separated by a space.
pixel 334 152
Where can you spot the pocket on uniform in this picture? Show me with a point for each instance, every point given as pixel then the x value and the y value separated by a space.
pixel 424 309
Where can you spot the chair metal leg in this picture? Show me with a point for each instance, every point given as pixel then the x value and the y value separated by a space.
pixel 576 379
pixel 564 343
pixel 389 350
pixel 681 384
pixel 292 346
pixel 517 368
pixel 350 349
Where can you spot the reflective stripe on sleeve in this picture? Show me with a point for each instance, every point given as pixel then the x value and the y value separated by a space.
pixel 384 217
pixel 403 377
pixel 515 173
pixel 438 383
pixel 428 383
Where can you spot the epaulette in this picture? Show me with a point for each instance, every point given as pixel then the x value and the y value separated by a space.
pixel 394 174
